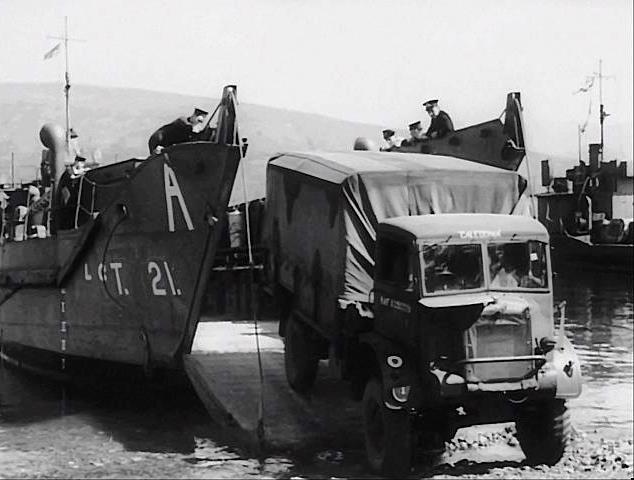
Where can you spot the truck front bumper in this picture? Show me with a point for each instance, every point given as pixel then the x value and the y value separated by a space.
pixel 557 373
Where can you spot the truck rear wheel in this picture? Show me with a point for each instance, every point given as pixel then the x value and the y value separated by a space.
pixel 388 433
pixel 300 356
pixel 543 431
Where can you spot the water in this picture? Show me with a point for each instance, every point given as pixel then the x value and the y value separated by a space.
pixel 600 324
pixel 49 430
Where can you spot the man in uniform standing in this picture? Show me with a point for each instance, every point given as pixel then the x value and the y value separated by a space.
pixel 180 130
pixel 415 134
pixel 390 140
pixel 441 123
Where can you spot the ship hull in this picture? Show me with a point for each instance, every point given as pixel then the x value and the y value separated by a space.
pixel 569 253
pixel 126 286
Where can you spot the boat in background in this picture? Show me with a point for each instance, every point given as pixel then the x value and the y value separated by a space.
pixel 590 223
pixel 589 212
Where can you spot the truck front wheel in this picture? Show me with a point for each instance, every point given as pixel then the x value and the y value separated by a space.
pixel 543 431
pixel 300 356
pixel 388 433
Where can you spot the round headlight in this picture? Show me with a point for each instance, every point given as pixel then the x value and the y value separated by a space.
pixel 395 361
pixel 401 394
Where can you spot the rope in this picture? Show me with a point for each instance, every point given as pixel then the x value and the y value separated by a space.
pixel 11 292
pixel 260 425
pixel 79 206
pixel 114 184
pixel 103 258
pixel 147 363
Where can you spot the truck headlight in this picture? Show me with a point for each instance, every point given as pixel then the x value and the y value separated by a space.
pixel 395 361
pixel 401 394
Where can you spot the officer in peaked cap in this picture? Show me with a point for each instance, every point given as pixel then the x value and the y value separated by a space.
pixel 180 130
pixel 390 140
pixel 415 133
pixel 441 123
pixel 197 119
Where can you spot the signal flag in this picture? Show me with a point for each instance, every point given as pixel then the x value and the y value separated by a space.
pixel 52 52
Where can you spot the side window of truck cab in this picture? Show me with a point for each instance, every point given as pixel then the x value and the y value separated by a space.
pixel 394 263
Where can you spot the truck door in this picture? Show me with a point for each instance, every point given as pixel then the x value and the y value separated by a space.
pixel 396 287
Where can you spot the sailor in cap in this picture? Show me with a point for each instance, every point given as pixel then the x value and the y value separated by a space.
pixel 441 123
pixel 390 140
pixel 180 130
pixel 415 133
pixel 73 146
pixel 197 119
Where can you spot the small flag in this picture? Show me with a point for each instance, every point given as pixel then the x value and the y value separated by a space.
pixel 52 52
pixel 588 86
pixel 582 128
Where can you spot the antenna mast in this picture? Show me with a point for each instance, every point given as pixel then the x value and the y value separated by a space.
pixel 67 86
pixel 601 112
pixel 579 142
pixel 66 38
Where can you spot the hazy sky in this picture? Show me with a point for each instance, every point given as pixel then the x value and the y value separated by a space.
pixel 370 61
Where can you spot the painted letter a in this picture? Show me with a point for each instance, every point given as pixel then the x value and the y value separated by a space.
pixel 173 190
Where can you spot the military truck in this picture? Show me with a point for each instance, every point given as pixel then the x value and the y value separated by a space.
pixel 426 284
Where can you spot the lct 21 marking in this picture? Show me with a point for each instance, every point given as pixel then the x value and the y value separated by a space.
pixel 160 278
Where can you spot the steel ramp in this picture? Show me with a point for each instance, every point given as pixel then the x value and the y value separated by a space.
pixel 223 369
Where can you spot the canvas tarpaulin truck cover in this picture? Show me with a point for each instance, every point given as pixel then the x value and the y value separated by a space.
pixel 373 186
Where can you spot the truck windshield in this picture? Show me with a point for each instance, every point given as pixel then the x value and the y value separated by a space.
pixel 517 265
pixel 452 267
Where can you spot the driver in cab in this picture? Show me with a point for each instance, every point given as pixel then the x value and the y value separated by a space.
pixel 509 268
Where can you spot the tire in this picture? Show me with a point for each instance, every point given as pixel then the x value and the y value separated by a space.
pixel 432 431
pixel 543 431
pixel 300 357
pixel 388 434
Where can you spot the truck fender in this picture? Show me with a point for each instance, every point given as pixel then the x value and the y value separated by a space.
pixel 564 361
pixel 566 364
pixel 396 368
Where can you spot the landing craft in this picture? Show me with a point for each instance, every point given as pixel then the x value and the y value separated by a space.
pixel 119 271
pixel 588 213
pixel 496 143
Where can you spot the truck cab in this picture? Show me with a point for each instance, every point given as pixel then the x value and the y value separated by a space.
pixel 464 322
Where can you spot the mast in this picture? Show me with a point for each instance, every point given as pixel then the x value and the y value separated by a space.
pixel 66 39
pixel 601 112
pixel 67 86
pixel 579 142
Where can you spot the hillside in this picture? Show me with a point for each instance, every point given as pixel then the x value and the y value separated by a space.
pixel 115 123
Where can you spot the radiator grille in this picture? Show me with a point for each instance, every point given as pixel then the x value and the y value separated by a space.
pixel 504 336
